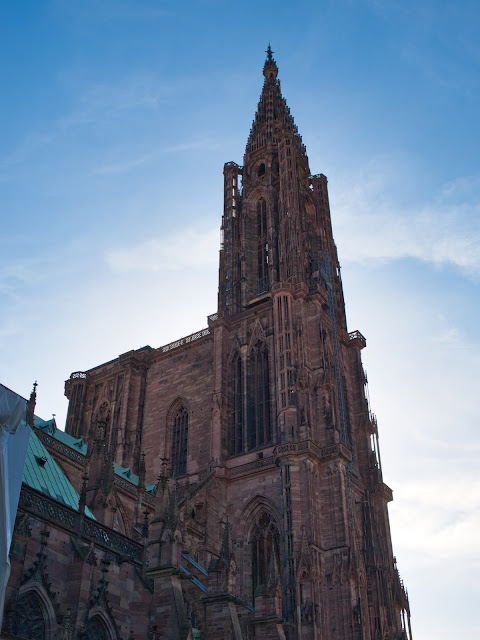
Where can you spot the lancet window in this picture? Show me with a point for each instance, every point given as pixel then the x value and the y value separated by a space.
pixel 262 246
pixel 235 444
pixel 265 549
pixel 180 441
pixel 259 430
pixel 285 361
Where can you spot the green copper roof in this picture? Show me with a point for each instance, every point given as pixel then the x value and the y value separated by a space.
pixel 127 474
pixel 50 427
pixel 42 473
pixel 77 444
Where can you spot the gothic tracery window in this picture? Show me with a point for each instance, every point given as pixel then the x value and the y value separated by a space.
pixel 259 431
pixel 262 246
pixel 28 619
pixel 180 441
pixel 265 549
pixel 235 441
pixel 96 629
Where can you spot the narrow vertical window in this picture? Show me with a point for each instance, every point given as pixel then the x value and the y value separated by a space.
pixel 259 432
pixel 180 441
pixel 264 541
pixel 262 246
pixel 235 443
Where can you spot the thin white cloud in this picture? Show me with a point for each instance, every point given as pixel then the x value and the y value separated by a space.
pixel 8 329
pixel 102 102
pixel 200 143
pixel 441 517
pixel 447 336
pixel 443 231
pixel 186 249
pixel 121 167
pixel 114 10
pixel 31 143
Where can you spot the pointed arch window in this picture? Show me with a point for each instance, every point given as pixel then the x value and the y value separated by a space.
pixel 262 246
pixel 179 441
pixel 265 550
pixel 235 443
pixel 97 629
pixel 259 431
pixel 29 620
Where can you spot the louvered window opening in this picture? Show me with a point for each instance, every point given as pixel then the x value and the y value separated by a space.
pixel 236 415
pixel 180 442
pixel 285 352
pixel 262 247
pixel 259 432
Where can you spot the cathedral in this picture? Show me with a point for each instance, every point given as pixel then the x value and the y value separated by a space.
pixel 227 485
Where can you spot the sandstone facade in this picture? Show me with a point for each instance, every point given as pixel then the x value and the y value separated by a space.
pixel 268 518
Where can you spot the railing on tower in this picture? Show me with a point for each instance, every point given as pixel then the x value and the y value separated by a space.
pixel 356 335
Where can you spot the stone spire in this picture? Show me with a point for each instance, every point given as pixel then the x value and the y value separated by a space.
pixel 223 570
pixel 273 116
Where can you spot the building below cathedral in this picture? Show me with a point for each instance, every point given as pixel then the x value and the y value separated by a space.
pixel 227 485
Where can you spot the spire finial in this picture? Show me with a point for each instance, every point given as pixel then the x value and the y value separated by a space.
pixel 270 69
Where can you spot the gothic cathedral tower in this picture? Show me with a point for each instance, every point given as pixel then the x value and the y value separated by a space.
pixel 292 385
pixel 270 517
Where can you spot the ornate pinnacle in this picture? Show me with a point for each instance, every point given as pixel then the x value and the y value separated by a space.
pixel 141 472
pixel 270 69
pixel 145 524
pixel 83 494
pixel 29 418
pixel 225 552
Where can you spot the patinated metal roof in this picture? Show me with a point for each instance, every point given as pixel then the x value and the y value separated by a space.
pixel 42 473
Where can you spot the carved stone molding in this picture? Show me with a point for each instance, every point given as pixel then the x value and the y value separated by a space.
pixel 335 451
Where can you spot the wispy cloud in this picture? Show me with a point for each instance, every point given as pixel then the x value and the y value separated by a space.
pixel 98 105
pixel 441 71
pixel 448 337
pixel 121 167
pixel 442 519
pixel 116 9
pixel 208 143
pixel 8 328
pixel 102 102
pixel 187 249
pixel 31 143
pixel 446 230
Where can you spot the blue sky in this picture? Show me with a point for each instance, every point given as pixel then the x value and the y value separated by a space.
pixel 116 119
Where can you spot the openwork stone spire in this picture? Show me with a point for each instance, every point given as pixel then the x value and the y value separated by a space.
pixel 273 116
